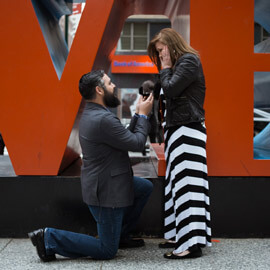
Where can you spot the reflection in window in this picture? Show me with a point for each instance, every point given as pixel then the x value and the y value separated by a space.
pixel 261 141
pixel 261 26
pixel 260 34
pixel 129 98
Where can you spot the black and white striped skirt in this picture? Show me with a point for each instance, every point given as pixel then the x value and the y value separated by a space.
pixel 187 215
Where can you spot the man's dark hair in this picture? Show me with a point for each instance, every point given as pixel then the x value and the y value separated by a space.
pixel 88 83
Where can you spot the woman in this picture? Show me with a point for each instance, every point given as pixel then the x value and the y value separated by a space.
pixel 187 216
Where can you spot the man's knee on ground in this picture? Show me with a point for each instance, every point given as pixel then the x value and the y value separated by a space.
pixel 108 253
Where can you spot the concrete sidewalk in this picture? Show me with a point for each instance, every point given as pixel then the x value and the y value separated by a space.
pixel 250 254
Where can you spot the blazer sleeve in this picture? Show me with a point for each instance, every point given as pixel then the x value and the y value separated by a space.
pixel 174 82
pixel 117 136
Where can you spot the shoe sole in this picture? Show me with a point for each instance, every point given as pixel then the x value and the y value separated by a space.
pixel 33 239
pixel 193 255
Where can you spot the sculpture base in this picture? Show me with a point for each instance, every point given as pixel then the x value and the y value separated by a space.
pixel 239 205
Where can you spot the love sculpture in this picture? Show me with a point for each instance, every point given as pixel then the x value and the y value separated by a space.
pixel 39 110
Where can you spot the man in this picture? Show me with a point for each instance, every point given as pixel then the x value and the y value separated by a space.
pixel 114 197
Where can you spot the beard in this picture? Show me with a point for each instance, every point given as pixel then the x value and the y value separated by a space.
pixel 110 99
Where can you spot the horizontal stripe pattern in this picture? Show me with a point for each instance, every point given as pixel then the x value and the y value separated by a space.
pixel 187 214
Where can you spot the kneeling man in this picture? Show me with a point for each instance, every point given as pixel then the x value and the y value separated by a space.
pixel 114 196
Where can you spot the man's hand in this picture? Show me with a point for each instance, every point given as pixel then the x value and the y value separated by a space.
pixel 144 106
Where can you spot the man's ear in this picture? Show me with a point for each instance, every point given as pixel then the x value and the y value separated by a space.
pixel 99 90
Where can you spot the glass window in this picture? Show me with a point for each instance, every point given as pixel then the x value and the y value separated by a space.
pixel 265 34
pixel 126 30
pixel 134 37
pixel 140 29
pixel 125 43
pixel 129 98
pixel 140 43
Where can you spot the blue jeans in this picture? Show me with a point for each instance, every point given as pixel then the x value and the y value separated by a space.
pixel 113 224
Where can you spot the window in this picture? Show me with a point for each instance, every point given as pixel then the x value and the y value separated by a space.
pixel 264 34
pixel 261 142
pixel 129 98
pixel 134 37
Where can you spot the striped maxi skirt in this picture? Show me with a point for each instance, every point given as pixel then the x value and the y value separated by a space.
pixel 187 215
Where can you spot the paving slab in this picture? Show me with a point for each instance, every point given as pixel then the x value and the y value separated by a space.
pixel 225 254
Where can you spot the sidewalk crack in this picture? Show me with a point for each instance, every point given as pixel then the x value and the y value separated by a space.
pixel 6 245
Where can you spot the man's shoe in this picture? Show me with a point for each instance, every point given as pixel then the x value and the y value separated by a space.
pixel 131 243
pixel 37 239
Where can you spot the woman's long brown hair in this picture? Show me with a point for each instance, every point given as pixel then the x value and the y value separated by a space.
pixel 176 44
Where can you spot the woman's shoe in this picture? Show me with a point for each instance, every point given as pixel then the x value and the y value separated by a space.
pixel 191 255
pixel 167 245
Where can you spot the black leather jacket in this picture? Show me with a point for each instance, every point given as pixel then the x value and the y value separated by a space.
pixel 184 89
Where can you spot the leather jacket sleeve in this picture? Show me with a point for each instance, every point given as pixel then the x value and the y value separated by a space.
pixel 175 81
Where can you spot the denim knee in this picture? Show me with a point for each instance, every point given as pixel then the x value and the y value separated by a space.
pixel 108 253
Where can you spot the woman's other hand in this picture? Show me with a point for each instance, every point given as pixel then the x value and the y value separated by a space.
pixel 165 58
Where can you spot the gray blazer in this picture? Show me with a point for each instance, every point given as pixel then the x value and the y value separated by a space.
pixel 106 174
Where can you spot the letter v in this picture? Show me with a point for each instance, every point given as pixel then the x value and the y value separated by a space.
pixel 37 111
